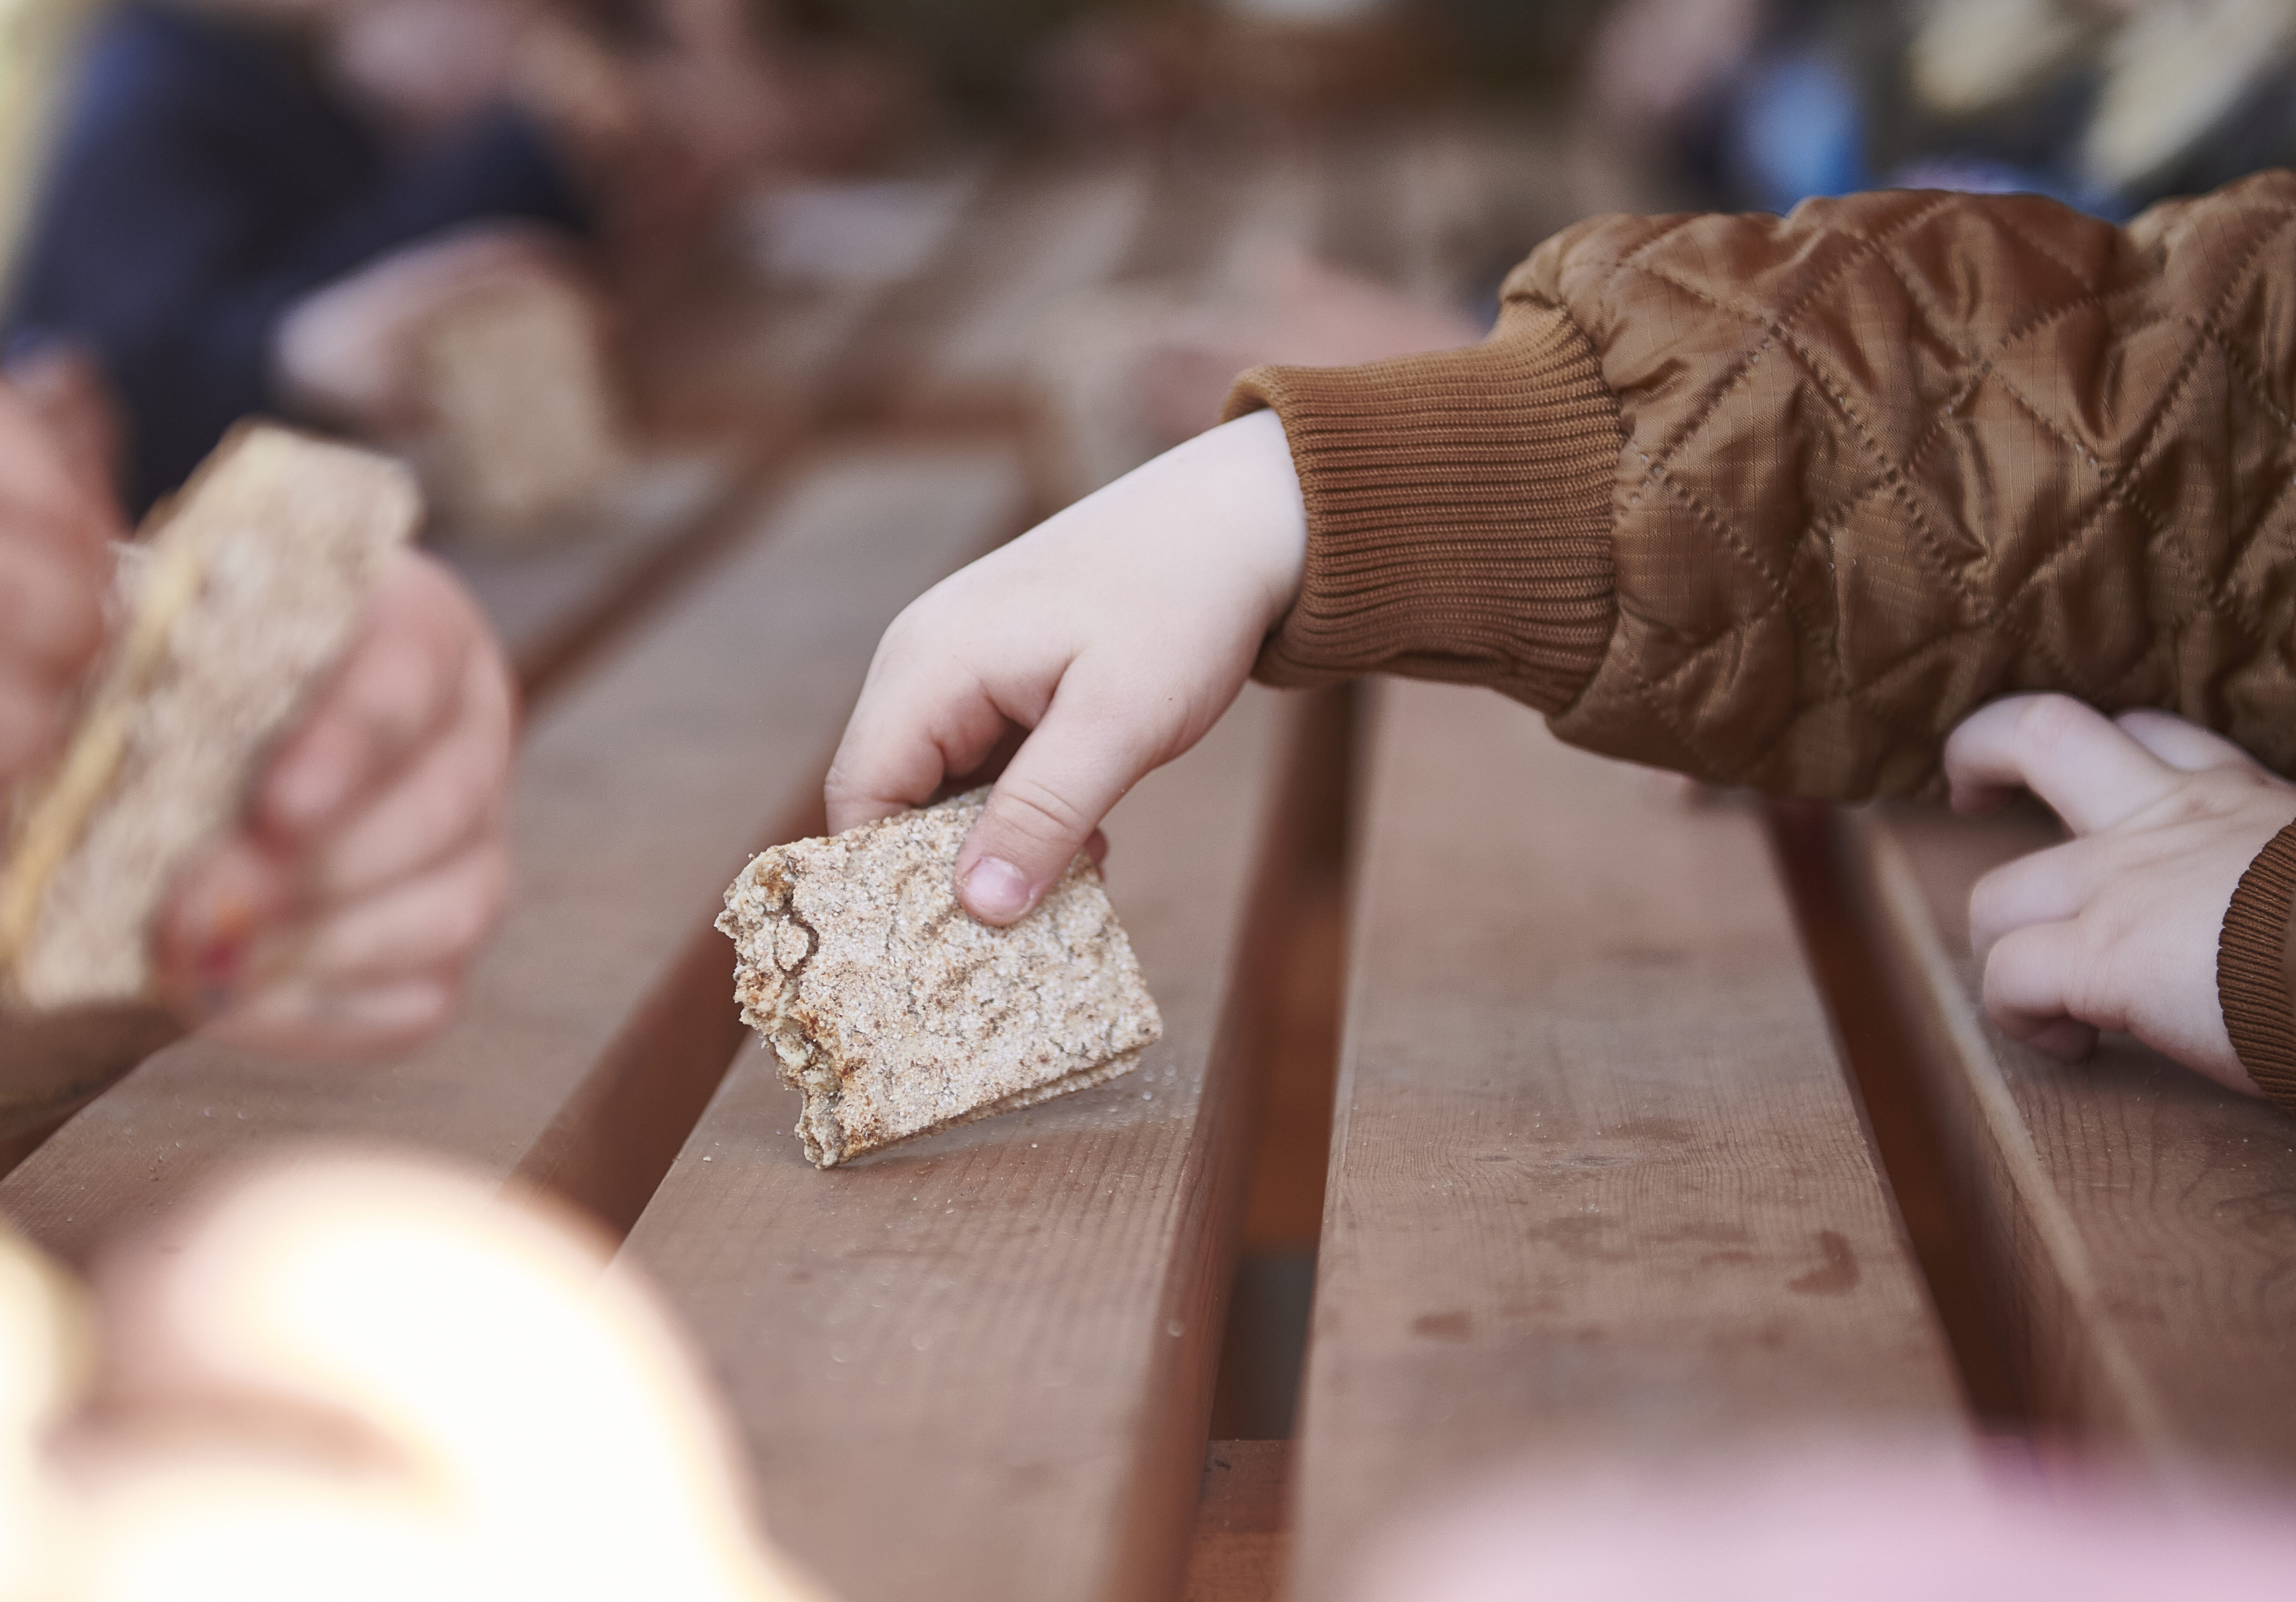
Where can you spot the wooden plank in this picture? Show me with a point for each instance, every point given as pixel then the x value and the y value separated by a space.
pixel 538 590
pixel 1067 234
pixel 1239 1551
pixel 1598 1176
pixel 954 346
pixel 2139 1223
pixel 980 1365
pixel 640 792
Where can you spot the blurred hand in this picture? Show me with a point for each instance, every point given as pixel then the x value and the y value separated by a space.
pixel 373 862
pixel 350 354
pixel 56 570
pixel 1113 636
pixel 2117 929
pixel 361 1379
pixel 64 387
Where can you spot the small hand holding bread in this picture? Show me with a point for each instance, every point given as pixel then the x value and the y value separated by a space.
pixel 897 1015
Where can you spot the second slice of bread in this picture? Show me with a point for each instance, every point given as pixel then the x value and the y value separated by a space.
pixel 244 595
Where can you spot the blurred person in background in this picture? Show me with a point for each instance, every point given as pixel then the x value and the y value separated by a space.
pixel 2106 104
pixel 251 205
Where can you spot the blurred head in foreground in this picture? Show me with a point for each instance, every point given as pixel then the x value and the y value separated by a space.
pixel 358 1378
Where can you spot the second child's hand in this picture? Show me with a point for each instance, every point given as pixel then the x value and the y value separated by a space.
pixel 2116 929
pixel 1114 635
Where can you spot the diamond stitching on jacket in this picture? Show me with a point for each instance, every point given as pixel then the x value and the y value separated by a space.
pixel 1890 477
pixel 2118 472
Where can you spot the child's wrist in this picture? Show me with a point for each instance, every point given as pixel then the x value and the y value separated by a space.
pixel 1263 485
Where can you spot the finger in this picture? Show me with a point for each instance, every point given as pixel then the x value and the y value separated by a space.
pixel 2090 772
pixel 215 913
pixel 307 1020
pixel 435 919
pixel 1066 777
pixel 31 726
pixel 2046 887
pixel 38 492
pixel 913 728
pixel 453 793
pixel 2183 745
pixel 401 680
pixel 50 606
pixel 2028 978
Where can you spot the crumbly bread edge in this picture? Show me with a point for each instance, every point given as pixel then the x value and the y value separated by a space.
pixel 785 1028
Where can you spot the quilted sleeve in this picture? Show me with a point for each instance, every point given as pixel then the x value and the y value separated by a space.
pixel 1779 501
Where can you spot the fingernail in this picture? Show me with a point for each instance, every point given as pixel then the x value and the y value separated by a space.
pixel 218 965
pixel 996 891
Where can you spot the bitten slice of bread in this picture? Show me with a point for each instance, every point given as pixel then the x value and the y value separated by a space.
pixel 897 1015
pixel 244 595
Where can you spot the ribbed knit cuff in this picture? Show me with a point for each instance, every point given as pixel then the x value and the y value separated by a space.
pixel 2252 970
pixel 1459 510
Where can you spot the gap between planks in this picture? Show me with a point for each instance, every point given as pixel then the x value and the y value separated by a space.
pixel 1598 1179
pixel 2137 1233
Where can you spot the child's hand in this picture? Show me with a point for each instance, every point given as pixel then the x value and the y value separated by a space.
pixel 373 863
pixel 2116 929
pixel 54 571
pixel 1118 632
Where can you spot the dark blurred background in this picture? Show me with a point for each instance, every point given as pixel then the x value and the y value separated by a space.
pixel 347 211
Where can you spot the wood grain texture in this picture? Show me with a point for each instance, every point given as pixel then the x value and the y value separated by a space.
pixel 1240 1549
pixel 1597 1177
pixel 978 1366
pixel 51 1064
pixel 2139 1222
pixel 640 794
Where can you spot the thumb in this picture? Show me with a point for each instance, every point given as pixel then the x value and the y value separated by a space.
pixel 1064 780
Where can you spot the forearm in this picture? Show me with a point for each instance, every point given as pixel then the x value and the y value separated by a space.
pixel 1840 479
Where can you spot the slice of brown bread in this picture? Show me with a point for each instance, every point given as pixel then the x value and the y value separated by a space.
pixel 524 415
pixel 897 1015
pixel 245 593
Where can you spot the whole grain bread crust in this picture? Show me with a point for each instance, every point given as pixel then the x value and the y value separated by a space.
pixel 896 1015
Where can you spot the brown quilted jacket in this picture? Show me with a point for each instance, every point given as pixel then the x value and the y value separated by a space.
pixel 1779 501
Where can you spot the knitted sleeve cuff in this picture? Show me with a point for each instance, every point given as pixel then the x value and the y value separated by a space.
pixel 2252 982
pixel 1459 510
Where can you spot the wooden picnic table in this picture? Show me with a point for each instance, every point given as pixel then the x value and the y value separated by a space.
pixel 1601 1173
